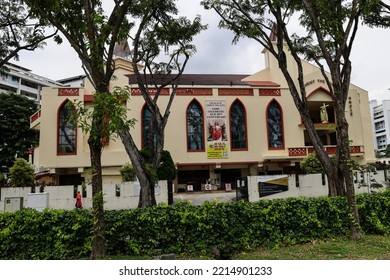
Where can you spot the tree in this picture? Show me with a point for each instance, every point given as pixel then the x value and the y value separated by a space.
pixel 92 34
pixel 16 137
pixel 383 154
pixel 331 27
pixel 22 174
pixel 158 34
pixel 377 14
pixel 19 30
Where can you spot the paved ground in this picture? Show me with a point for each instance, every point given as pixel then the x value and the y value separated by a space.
pixel 198 198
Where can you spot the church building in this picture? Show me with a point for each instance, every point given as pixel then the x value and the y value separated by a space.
pixel 221 127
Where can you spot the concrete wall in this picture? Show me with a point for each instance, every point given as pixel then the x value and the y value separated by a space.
pixel 62 197
pixel 312 186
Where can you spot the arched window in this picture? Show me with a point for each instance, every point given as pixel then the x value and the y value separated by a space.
pixel 238 126
pixel 195 124
pixel 67 133
pixel 275 126
pixel 149 128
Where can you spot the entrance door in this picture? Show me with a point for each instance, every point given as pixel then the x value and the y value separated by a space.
pixel 193 177
pixel 228 176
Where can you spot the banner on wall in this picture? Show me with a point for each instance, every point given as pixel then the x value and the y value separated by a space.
pixel 272 184
pixel 217 146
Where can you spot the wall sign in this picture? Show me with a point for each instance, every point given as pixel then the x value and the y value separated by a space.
pixel 217 146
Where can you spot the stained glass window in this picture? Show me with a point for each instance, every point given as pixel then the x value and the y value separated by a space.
pixel 66 131
pixel 238 126
pixel 149 128
pixel 275 126
pixel 195 134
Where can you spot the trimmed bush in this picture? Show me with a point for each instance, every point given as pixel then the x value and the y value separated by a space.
pixel 185 228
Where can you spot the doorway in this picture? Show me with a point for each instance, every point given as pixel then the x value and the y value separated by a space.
pixel 228 176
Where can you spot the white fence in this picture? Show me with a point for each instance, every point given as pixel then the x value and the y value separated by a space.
pixel 120 196
pixel 312 185
pixel 126 195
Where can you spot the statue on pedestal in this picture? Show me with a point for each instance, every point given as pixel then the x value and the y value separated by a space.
pixel 324 113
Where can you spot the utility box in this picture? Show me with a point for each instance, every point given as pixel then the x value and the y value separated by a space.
pixel 38 201
pixel 12 204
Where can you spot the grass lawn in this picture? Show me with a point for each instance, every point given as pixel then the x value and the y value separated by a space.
pixel 371 247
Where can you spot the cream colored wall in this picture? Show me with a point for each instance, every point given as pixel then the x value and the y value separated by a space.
pixel 360 127
pixel 256 106
pixel 48 133
pixel 361 124
pixel 123 68
pixel 175 135
pixel 46 155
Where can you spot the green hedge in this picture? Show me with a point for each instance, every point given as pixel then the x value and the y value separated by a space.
pixel 185 228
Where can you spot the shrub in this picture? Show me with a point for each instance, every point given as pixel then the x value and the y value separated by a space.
pixel 312 165
pixel 166 169
pixel 184 228
pixel 22 173
pixel 127 173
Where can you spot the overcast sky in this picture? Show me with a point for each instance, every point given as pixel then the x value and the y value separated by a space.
pixel 216 54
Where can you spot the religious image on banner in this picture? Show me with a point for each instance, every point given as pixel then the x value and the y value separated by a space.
pixel 217 146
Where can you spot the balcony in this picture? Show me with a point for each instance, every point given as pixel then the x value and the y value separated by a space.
pixel 331 150
pixel 35 120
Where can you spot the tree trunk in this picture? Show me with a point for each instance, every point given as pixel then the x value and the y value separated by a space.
pixel 354 222
pixel 348 189
pixel 98 239
pixel 332 185
pixel 146 198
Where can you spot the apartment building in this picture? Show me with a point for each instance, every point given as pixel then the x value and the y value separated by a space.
pixel 380 119
pixel 22 81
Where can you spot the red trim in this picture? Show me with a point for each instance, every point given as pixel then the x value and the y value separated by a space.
pixel 152 91
pixel 194 91
pixel 203 131
pixel 355 150
pixel 58 126
pixel 297 152
pixel 35 116
pixel 235 92
pixel 246 127
pixel 68 92
pixel 331 150
pixel 269 92
pixel 282 124
pixel 317 90
pixel 88 98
